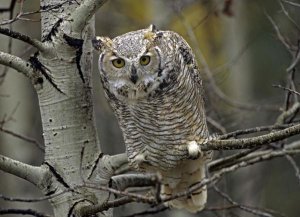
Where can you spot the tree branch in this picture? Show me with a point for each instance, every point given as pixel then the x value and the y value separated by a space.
pixel 34 42
pixel 30 173
pixel 122 182
pixel 16 63
pixel 90 210
pixel 23 212
pixel 255 158
pixel 83 14
pixel 211 81
pixel 253 142
pixel 22 137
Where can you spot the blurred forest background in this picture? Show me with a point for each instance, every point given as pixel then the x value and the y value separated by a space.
pixel 244 55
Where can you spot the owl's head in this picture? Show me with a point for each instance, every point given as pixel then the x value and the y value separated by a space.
pixel 133 66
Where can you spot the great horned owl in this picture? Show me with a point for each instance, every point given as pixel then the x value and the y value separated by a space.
pixel 152 82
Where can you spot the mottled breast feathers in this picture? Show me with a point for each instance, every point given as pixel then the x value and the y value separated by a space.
pixel 152 82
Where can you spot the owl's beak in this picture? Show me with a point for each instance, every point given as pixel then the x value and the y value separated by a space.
pixel 133 75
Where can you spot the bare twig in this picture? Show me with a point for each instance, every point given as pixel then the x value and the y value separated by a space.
pixel 90 210
pixel 228 161
pixel 292 3
pixel 294 165
pixel 22 14
pixel 22 137
pixel 288 113
pixel 255 158
pixel 150 211
pixel 287 89
pixel 252 210
pixel 135 197
pixel 215 124
pixel 23 212
pixel 32 200
pixel 216 90
pixel 286 13
pixel 283 40
pixel 253 142
pixel 34 42
pixel 255 130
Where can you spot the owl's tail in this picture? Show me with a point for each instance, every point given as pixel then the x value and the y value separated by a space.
pixel 180 179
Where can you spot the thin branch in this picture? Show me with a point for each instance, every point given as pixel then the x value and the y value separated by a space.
pixel 80 17
pixel 23 212
pixel 253 142
pixel 212 83
pixel 295 166
pixel 16 63
pixel 294 62
pixel 23 14
pixel 286 89
pixel 150 211
pixel 90 210
pixel 122 182
pixel 136 197
pixel 215 124
pixel 279 35
pixel 30 173
pixel 288 113
pixel 264 154
pixel 286 13
pixel 34 42
pixel 255 158
pixel 292 3
pixel 291 149
pixel 31 200
pixel 228 161
pixel 236 133
pixel 22 137
pixel 245 208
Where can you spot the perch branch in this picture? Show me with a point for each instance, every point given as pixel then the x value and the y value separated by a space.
pixel 253 142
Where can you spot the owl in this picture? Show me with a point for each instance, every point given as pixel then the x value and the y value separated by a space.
pixel 152 82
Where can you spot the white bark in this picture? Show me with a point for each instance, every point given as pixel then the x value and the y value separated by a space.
pixel 61 75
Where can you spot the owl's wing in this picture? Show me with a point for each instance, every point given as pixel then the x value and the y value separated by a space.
pixel 183 53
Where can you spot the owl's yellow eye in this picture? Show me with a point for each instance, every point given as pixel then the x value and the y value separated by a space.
pixel 145 60
pixel 118 63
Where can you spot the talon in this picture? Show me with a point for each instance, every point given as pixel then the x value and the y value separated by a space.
pixel 194 150
pixel 140 158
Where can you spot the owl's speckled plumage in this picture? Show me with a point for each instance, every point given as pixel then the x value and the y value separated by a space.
pixel 159 107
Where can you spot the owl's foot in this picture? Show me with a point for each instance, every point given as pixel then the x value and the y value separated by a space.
pixel 194 150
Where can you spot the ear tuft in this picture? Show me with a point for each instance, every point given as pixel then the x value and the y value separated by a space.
pixel 101 43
